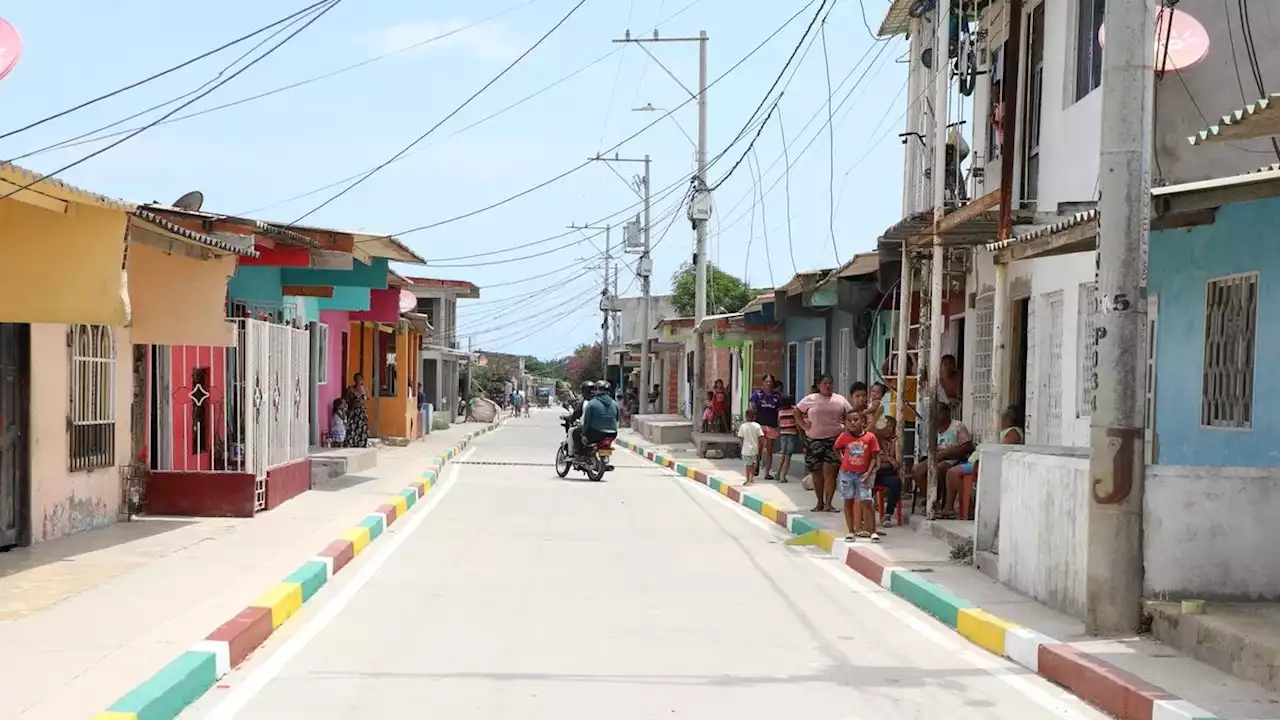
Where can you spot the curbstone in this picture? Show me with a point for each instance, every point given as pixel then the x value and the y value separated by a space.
pixel 175 686
pixel 1096 681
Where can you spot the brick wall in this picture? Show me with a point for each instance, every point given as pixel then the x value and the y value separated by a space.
pixel 672 390
pixel 767 353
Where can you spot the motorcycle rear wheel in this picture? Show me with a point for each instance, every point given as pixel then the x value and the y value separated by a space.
pixel 595 468
pixel 562 461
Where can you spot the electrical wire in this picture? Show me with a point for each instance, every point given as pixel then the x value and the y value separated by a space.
pixel 764 222
pixel 862 5
pixel 831 149
pixel 481 303
pixel 332 4
pixel 447 117
pixel 561 176
pixel 575 304
pixel 502 321
pixel 83 140
pixel 75 141
pixel 791 247
pixel 162 73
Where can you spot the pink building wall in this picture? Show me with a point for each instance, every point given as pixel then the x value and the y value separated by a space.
pixel 384 307
pixel 339 322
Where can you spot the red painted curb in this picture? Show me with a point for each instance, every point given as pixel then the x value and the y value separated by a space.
pixel 341 551
pixel 783 519
pixel 1100 683
pixel 244 632
pixel 389 513
pixel 700 476
pixel 420 488
pixel 734 495
pixel 865 564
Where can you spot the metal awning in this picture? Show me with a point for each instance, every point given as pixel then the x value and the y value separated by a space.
pixel 1256 120
pixel 1074 233
pixel 156 225
pixel 897 19
pixel 975 223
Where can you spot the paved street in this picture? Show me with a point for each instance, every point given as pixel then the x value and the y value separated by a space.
pixel 510 593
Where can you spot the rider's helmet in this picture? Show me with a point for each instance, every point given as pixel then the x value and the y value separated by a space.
pixel 588 389
pixel 602 387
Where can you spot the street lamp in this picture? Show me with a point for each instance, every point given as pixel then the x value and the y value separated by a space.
pixel 648 107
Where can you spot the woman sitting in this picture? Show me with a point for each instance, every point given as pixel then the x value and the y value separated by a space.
pixel 1011 434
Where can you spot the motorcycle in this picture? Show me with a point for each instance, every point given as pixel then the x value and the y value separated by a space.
pixel 592 460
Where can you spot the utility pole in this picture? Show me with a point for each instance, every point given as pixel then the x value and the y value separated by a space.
pixel 928 395
pixel 605 304
pixel 699 205
pixel 1113 565
pixel 644 266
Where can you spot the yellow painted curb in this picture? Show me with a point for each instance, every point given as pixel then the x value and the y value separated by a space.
pixel 984 629
pixel 769 511
pixel 359 537
pixel 690 473
pixel 826 540
pixel 724 488
pixel 402 506
pixel 809 539
pixel 116 716
pixel 282 600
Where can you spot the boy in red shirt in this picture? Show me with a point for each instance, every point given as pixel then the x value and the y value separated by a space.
pixel 859 453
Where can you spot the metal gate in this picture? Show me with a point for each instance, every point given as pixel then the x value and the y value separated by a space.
pixel 232 409
pixel 15 468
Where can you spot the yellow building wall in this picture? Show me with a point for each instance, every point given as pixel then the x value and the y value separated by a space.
pixel 61 267
pixel 63 502
pixel 178 300
pixel 394 417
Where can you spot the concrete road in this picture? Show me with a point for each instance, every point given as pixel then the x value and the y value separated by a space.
pixel 514 594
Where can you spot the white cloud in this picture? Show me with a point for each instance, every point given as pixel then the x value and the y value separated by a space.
pixel 487 42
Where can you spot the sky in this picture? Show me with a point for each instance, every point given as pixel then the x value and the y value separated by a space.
pixel 257 157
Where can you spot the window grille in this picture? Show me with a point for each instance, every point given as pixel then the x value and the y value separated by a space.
pixel 1230 331
pixel 982 380
pixel 1053 404
pixel 1087 359
pixel 322 354
pixel 91 419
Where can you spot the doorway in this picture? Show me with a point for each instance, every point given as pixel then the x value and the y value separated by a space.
pixel 15 466
pixel 1017 388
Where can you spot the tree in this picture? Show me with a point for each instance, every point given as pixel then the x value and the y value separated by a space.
pixel 555 368
pixel 725 293
pixel 584 365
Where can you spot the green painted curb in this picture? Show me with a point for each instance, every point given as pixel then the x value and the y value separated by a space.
pixel 311 576
pixel 374 523
pixel 169 691
pixel 801 525
pixel 927 596
pixel 754 503
pixel 410 496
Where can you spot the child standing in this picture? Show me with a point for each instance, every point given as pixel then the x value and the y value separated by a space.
pixel 788 436
pixel 721 406
pixel 859 453
pixel 709 412
pixel 338 423
pixel 750 432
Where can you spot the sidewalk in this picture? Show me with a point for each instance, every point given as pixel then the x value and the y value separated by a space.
pixel 921 552
pixel 85 618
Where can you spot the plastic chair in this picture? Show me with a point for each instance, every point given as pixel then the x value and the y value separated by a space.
pixel 880 492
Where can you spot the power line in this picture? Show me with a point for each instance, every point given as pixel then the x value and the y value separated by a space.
pixel 626 140
pixel 162 73
pixel 83 140
pixel 791 248
pixel 229 78
pixel 448 117
pixel 831 149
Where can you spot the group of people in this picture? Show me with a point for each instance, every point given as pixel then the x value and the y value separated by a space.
pixel 850 447
pixel 519 403
pixel 598 413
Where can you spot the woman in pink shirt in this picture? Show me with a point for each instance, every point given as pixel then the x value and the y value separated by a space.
pixel 822 416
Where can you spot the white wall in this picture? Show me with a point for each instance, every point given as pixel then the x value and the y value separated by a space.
pixel 1209 533
pixel 1044 526
pixel 629 316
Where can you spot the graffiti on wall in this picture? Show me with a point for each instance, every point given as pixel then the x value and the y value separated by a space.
pixel 75 514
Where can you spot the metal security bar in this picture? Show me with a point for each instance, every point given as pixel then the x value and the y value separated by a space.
pixel 1230 334
pixel 1088 360
pixel 91 418
pixel 982 380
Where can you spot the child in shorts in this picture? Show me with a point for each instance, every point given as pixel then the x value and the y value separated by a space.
pixel 750 432
pixel 859 453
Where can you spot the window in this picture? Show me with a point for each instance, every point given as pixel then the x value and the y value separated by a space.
pixel 1230 331
pixel 322 354
pixel 980 421
pixel 1053 383
pixel 845 361
pixel 1088 50
pixel 1033 97
pixel 793 375
pixel 91 419
pixel 817 360
pixel 1087 349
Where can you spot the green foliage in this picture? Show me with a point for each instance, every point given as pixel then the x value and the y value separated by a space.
pixel 725 293
pixel 555 368
pixel 584 365
pixel 439 424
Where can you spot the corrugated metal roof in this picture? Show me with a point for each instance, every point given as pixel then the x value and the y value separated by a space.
pixel 1249 178
pixel 897 20
pixel 1253 121
pixel 375 244
pixel 1042 231
pixel 860 264
pixel 265 228
pixel 283 233
pixel 196 237
pixel 18 176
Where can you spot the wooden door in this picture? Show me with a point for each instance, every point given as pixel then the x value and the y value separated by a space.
pixel 15 468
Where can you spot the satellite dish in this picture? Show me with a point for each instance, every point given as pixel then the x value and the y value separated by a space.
pixel 408 301
pixel 10 47
pixel 193 201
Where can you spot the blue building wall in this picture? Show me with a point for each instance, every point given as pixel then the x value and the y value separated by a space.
pixel 800 330
pixel 256 284
pixel 1181 262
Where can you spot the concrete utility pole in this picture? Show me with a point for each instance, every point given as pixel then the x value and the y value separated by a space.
pixel 700 205
pixel 605 305
pixel 928 394
pixel 1114 561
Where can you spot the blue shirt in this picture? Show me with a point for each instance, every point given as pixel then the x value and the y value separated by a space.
pixel 766 407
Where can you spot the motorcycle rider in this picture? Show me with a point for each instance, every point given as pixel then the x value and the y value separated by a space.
pixel 579 407
pixel 600 417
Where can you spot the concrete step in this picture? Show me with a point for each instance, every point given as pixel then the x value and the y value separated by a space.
pixel 1242 639
pixel 335 462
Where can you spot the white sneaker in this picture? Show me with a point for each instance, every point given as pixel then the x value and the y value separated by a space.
pixel 875 537
pixel 886 521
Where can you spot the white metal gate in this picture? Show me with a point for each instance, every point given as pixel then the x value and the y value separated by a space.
pixel 981 418
pixel 232 409
pixel 1053 381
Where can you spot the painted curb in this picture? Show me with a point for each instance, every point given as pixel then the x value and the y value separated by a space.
pixel 1090 678
pixel 168 692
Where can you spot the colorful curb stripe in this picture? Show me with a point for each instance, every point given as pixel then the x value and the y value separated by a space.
pixel 1095 681
pixel 167 693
